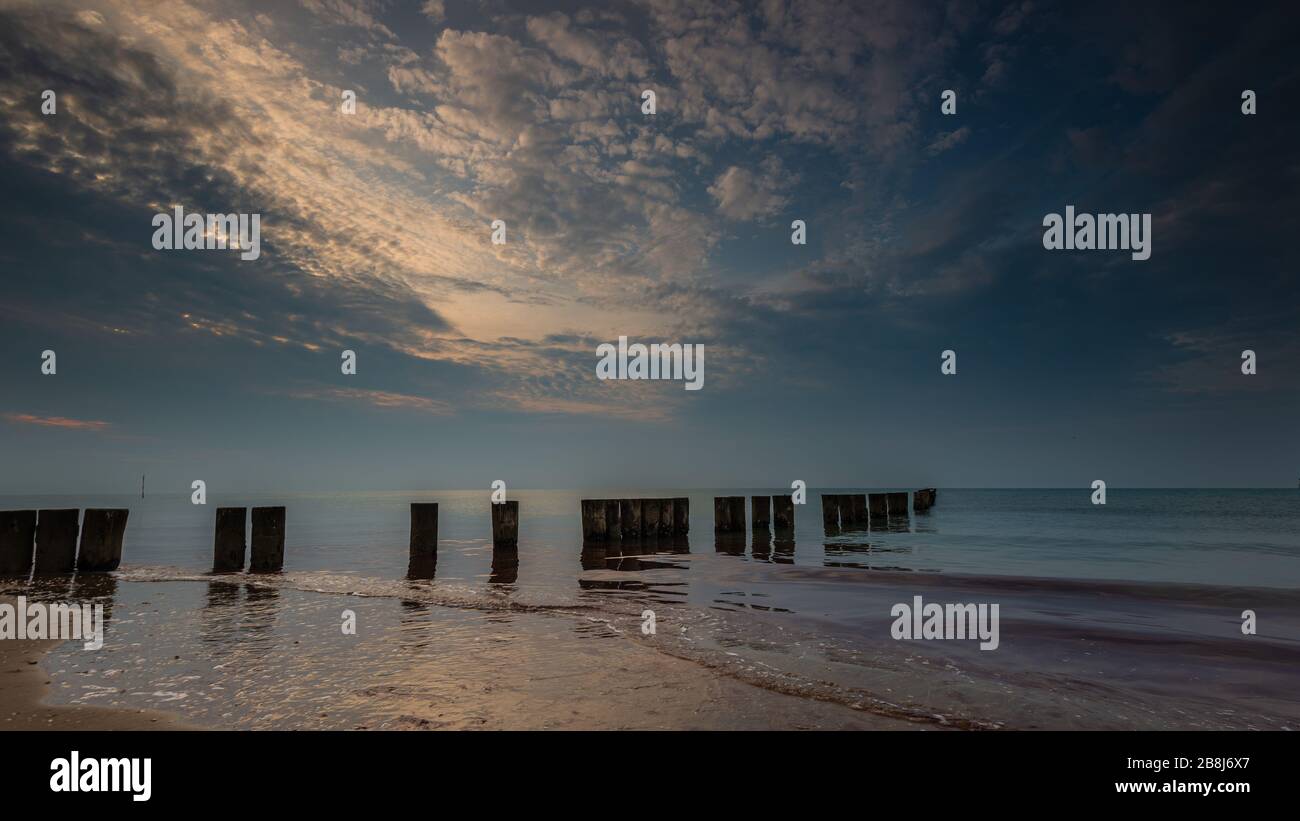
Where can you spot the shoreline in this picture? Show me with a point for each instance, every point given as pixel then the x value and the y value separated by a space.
pixel 24 687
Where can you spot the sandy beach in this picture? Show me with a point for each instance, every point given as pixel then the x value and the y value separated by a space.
pixel 24 686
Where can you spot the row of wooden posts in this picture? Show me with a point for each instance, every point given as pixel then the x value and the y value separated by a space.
pixel 229 543
pixel 848 509
pixel 46 541
pixel 618 519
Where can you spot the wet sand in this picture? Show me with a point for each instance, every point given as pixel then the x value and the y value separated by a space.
pixel 533 681
pixel 24 686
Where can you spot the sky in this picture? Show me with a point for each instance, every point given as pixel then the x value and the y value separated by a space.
pixel 477 361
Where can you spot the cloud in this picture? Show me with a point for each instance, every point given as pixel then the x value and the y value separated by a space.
pixel 56 422
pixel 745 195
pixel 376 398
pixel 435 10
pixel 948 139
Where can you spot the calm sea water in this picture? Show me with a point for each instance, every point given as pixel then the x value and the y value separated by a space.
pixel 1123 615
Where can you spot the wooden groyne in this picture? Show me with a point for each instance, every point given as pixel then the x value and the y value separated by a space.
pixel 612 520
pixel 230 540
pixel 505 525
pixel 17 542
pixel 61 541
pixel 45 542
pixel 874 510
pixel 923 500
pixel 56 541
pixel 267 553
pixel 101 539
pixel 783 512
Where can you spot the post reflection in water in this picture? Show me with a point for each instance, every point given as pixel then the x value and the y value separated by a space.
pixel 733 544
pixel 96 588
pixel 219 619
pixel 761 548
pixel 261 609
pixel 783 548
pixel 240 616
pixel 415 625
pixel 633 555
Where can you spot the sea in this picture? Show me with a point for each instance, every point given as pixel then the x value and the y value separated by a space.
pixel 1161 609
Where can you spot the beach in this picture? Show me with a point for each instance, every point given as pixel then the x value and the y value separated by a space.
pixel 24 686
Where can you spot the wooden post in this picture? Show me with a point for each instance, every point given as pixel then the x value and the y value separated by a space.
pixel 593 520
pixel 877 506
pixel 846 509
pixel 268 540
pixel 17 542
pixel 830 510
pixel 651 514
pixel 857 503
pixel 783 512
pixel 101 540
pixel 729 514
pixel 737 513
pixel 505 524
pixel 898 504
pixel 681 516
pixel 629 516
pixel 923 499
pixel 667 514
pixel 721 515
pixel 230 542
pixel 424 530
pixel 613 520
pixel 505 562
pixel 56 541
pixel 762 512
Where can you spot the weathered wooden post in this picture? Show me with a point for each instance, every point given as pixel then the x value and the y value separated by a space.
pixel 230 542
pixel 267 554
pixel 729 514
pixel 737 513
pixel 721 515
pixel 878 508
pixel 505 524
pixel 17 541
pixel 762 512
pixel 505 564
pixel 101 540
pixel 857 503
pixel 629 517
pixel 898 504
pixel 651 514
pixel 593 520
pixel 667 514
pixel 846 509
pixel 783 512
pixel 424 529
pixel 613 520
pixel 830 510
pixel 56 541
pixel 923 499
pixel 681 516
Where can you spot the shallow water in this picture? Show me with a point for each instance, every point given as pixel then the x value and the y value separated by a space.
pixel 1127 615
